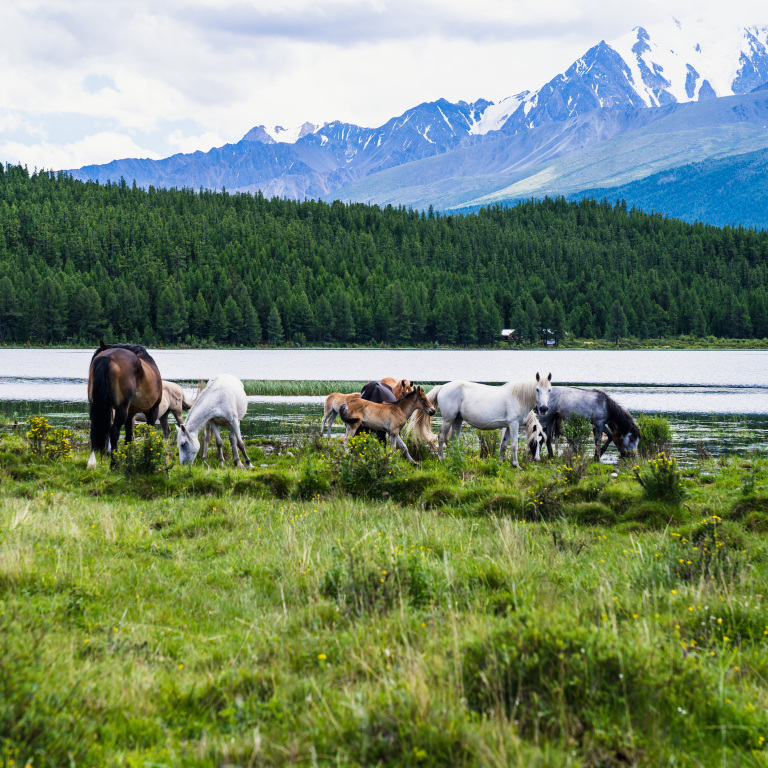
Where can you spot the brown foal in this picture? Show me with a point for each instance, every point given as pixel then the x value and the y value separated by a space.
pixel 389 417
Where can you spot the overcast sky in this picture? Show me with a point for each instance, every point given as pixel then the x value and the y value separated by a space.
pixel 89 81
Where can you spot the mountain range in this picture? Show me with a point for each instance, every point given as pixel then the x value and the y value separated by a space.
pixel 614 123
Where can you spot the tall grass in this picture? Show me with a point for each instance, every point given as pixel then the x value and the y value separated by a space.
pixel 294 387
pixel 214 617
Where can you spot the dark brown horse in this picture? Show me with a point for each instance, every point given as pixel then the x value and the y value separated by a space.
pixel 123 380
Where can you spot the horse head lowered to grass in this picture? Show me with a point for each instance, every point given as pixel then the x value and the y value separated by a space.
pixel 123 380
pixel 222 402
pixel 601 409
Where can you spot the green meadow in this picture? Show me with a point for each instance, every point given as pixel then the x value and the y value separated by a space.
pixel 352 610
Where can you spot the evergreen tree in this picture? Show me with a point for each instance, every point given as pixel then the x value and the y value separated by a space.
pixel 198 316
pixel 219 328
pixel 532 321
pixel 274 327
pixel 323 320
pixel 234 319
pixel 616 327
pixel 169 318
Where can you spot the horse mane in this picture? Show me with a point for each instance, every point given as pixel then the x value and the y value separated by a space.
pixel 137 350
pixel 618 414
pixel 525 391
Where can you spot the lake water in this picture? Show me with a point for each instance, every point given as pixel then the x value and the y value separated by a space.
pixel 718 399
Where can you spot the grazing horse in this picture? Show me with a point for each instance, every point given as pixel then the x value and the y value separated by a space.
pixel 222 402
pixel 389 417
pixel 123 380
pixel 172 401
pixel 601 409
pixel 535 437
pixel 483 407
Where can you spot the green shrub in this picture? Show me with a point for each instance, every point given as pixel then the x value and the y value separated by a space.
pixel 313 479
pixel 147 454
pixel 368 468
pixel 577 430
pixel 661 480
pixel 655 435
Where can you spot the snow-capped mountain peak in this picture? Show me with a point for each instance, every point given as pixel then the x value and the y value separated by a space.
pixel 680 62
pixel 280 135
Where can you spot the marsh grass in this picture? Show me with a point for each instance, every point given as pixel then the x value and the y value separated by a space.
pixel 265 387
pixel 207 618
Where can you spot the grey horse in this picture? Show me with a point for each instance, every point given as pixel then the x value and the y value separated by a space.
pixel 601 409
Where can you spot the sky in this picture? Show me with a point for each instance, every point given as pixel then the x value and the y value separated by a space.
pixel 89 81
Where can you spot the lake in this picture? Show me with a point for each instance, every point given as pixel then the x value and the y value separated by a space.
pixel 718 399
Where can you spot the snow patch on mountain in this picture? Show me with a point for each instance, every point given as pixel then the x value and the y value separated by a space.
pixel 280 135
pixel 672 61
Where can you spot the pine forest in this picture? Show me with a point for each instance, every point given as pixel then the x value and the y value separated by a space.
pixel 83 261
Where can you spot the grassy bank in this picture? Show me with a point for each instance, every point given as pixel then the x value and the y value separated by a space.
pixel 628 343
pixel 319 610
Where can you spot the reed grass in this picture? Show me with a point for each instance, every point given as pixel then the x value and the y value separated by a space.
pixel 294 387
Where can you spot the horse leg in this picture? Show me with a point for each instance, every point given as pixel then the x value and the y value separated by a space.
pixel 164 425
pixel 550 428
pixel 597 432
pixel 444 435
pixel 206 440
pixel 121 417
pixel 504 443
pixel 458 423
pixel 129 424
pixel 395 441
pixel 233 443
pixel 604 448
pixel 234 429
pixel 326 414
pixel 331 418
pixel 152 414
pixel 219 443
pixel 512 431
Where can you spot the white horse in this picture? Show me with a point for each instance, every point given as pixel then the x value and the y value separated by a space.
pixel 483 407
pixel 535 436
pixel 222 402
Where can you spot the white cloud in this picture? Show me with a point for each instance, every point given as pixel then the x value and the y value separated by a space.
pixel 96 149
pixel 137 69
pixel 203 142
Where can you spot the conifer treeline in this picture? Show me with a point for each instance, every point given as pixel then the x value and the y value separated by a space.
pixel 79 261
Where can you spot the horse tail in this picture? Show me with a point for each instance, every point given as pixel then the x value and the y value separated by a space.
pixel 345 417
pixel 186 404
pixel 101 411
pixel 420 423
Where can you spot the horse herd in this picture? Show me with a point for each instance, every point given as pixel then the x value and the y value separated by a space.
pixel 124 385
